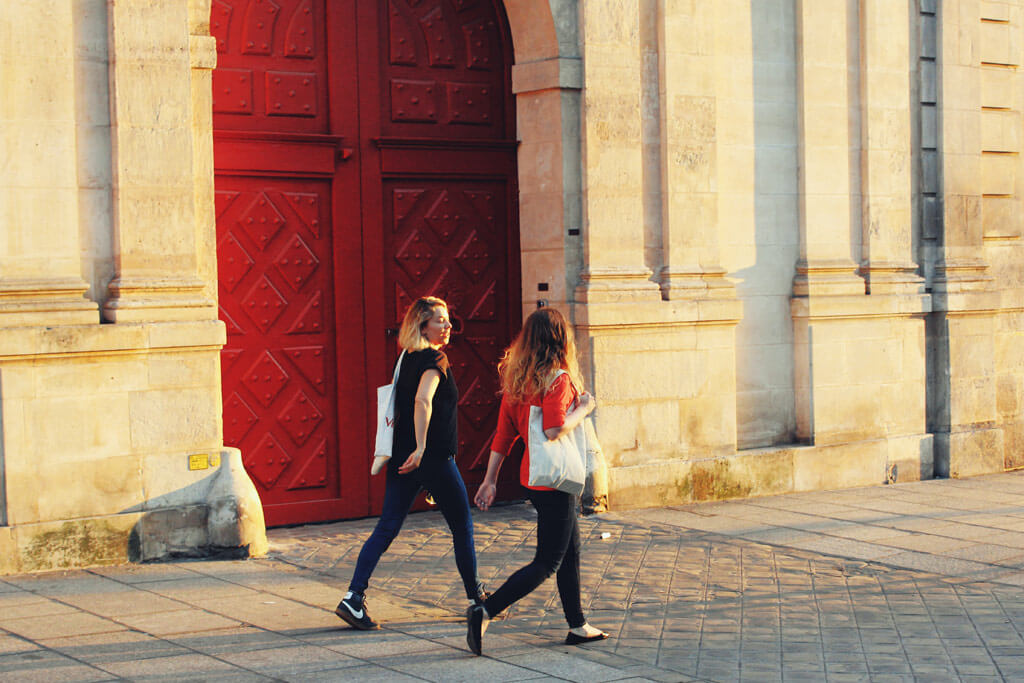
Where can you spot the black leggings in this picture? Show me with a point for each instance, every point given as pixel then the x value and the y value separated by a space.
pixel 558 550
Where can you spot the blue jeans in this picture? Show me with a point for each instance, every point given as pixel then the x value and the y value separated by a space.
pixel 445 484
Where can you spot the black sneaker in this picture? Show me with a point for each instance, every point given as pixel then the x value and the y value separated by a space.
pixel 352 609
pixel 476 624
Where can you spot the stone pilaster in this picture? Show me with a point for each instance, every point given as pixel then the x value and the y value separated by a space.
pixel 613 237
pixel 689 151
pixel 41 279
pixel 824 33
pixel 887 261
pixel 155 224
pixel 962 378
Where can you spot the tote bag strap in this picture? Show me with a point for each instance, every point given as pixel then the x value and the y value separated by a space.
pixel 398 366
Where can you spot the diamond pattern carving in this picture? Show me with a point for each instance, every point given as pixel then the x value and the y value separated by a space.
pixel 314 472
pixel 311 319
pixel 307 205
pixel 486 305
pixel 263 304
pixel 310 360
pixel 238 419
pixel 223 201
pixel 415 255
pixel 261 220
pixel 473 256
pixel 265 379
pixel 235 262
pixel 300 418
pixel 476 404
pixel 446 217
pixel 296 263
pixel 405 200
pixel 266 461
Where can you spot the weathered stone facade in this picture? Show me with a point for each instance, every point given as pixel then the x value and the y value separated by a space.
pixel 788 232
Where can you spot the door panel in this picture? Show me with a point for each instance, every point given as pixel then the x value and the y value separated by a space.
pixel 364 154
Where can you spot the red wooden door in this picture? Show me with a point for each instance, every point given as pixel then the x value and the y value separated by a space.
pixel 316 136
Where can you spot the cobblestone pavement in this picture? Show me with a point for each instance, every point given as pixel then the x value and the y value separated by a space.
pixel 914 582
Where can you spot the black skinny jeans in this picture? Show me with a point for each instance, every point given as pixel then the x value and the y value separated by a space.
pixel 558 552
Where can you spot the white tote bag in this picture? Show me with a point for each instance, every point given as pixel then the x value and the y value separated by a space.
pixel 559 464
pixel 385 421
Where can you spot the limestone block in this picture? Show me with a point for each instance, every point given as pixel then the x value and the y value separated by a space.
pixel 847 414
pixel 173 532
pixel 650 375
pixel 67 377
pixel 78 428
pixel 75 487
pixel 708 424
pixel 184 370
pixel 167 481
pixel 1013 445
pixel 618 424
pixel 843 465
pixel 175 420
pixel 649 485
pixel 999 173
pixel 994 42
pixel 970 453
pixel 10 558
pixel 765 417
pixel 1009 392
pixel 1001 217
pixel 542 172
pixel 999 131
pixel 910 458
pixel 543 266
pixel 972 400
pixel 759 473
pixel 996 89
pixel 659 424
pixel 764 366
pixel 76 543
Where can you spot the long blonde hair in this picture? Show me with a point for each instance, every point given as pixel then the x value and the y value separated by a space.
pixel 545 345
pixel 410 336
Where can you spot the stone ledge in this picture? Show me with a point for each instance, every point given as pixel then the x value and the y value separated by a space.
pixel 860 306
pixel 27 343
pixel 768 472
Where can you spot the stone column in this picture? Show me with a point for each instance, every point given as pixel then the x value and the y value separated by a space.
pixel 155 237
pixel 827 201
pixel 887 261
pixel 689 151
pixel 859 370
pixel 962 408
pixel 612 156
pixel 41 279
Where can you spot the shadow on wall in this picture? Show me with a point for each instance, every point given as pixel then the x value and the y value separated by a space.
pixel 218 516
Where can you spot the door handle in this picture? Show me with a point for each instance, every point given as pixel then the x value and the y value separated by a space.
pixel 345 153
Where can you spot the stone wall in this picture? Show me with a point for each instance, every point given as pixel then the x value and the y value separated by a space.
pixel 110 411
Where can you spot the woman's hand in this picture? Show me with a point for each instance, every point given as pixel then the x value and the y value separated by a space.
pixel 485 495
pixel 412 462
pixel 587 403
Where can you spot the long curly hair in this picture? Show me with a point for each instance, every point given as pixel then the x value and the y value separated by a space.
pixel 545 345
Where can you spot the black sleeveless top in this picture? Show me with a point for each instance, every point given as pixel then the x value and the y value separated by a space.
pixel 442 432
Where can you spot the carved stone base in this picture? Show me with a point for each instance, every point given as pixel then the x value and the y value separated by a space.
pixel 46 302
pixel 158 300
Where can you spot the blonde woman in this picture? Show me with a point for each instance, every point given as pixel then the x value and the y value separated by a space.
pixel 423 455
pixel 530 376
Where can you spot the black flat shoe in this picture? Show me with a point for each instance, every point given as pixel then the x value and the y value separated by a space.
pixel 573 639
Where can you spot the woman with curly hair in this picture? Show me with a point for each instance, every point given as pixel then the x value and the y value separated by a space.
pixel 539 369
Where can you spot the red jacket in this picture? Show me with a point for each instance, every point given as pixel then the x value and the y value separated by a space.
pixel 514 421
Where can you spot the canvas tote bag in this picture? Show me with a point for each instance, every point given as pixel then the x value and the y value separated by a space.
pixel 559 464
pixel 385 421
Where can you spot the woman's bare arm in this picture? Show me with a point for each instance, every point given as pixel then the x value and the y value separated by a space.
pixel 422 408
